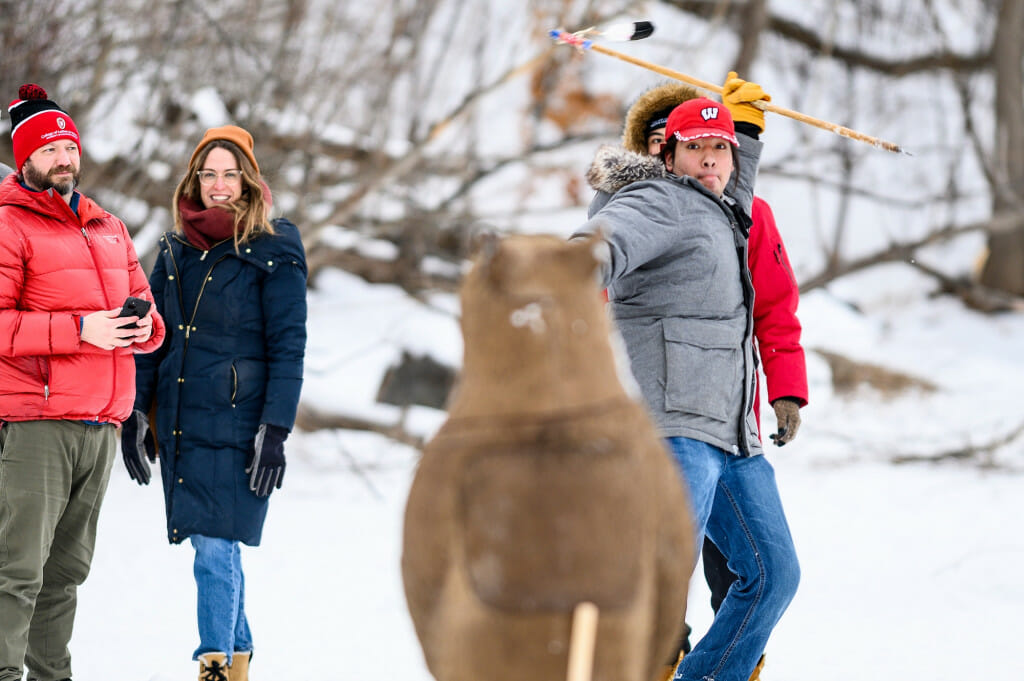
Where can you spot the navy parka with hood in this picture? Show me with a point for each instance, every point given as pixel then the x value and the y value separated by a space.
pixel 232 359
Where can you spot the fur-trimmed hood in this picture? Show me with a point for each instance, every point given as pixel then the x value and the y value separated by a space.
pixel 615 167
pixel 659 98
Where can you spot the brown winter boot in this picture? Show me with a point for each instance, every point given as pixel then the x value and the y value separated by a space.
pixel 239 669
pixel 213 667
pixel 669 671
pixel 756 675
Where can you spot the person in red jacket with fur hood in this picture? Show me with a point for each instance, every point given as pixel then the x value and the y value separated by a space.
pixel 776 327
pixel 67 381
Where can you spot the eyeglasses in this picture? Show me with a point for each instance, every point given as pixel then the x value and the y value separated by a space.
pixel 230 177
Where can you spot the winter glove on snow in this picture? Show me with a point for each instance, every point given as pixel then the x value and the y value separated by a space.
pixel 738 95
pixel 137 445
pixel 787 413
pixel 266 463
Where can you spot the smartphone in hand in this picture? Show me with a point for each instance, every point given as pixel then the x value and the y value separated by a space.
pixel 134 307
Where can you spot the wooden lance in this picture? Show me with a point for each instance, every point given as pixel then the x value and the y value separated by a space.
pixel 580 41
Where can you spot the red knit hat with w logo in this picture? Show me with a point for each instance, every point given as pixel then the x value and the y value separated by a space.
pixel 36 121
pixel 701 117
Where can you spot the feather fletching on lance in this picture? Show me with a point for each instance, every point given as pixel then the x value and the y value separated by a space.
pixel 634 30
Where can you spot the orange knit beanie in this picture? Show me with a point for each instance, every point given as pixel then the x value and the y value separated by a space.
pixel 231 133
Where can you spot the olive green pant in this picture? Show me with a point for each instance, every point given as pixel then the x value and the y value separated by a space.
pixel 53 475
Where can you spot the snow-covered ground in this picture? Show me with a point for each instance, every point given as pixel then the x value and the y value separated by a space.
pixel 909 572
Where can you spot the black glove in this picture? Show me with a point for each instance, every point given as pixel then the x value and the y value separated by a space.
pixel 266 463
pixel 787 413
pixel 137 445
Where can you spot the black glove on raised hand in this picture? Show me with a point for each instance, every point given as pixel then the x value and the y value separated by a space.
pixel 137 445
pixel 787 414
pixel 266 463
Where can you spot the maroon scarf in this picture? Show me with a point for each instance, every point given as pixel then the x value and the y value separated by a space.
pixel 206 227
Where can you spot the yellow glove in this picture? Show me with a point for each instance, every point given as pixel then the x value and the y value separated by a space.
pixel 737 95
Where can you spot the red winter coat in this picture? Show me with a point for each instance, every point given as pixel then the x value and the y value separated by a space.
pixel 56 267
pixel 776 327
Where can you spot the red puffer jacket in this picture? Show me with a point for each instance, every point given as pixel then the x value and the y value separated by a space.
pixel 55 267
pixel 776 327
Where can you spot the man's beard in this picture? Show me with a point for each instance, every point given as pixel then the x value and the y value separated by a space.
pixel 42 181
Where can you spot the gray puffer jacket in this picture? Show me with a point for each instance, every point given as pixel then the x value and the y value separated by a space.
pixel 681 294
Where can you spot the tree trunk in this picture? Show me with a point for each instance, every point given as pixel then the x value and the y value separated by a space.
pixel 755 19
pixel 1004 268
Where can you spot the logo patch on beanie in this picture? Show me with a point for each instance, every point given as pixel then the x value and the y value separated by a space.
pixel 60 123
pixel 709 112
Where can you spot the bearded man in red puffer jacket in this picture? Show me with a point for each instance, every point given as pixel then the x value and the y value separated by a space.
pixel 67 381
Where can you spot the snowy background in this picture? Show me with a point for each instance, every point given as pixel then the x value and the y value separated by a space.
pixel 910 571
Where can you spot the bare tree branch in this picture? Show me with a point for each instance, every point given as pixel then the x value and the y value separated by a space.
pixel 967 452
pixel 309 418
pixel 899 252
pixel 813 42
pixel 409 161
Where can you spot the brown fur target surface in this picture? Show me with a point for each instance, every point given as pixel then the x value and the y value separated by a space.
pixel 546 487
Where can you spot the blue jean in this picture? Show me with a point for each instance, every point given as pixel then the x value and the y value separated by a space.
pixel 220 584
pixel 736 502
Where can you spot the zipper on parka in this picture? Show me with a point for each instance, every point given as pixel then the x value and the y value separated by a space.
pixel 43 368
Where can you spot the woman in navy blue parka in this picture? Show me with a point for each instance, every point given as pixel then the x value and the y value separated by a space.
pixel 231 285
